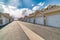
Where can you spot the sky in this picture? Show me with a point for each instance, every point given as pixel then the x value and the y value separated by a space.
pixel 20 8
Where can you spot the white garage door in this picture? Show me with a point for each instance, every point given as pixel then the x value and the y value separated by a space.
pixel 31 20
pixel 39 20
pixel 53 20
pixel 28 20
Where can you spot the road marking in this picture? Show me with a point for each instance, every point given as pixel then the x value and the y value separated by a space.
pixel 31 34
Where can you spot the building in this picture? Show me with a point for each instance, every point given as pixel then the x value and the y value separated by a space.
pixel 39 19
pixel 36 17
pixel 49 16
pixel 52 15
pixel 4 19
pixel 32 18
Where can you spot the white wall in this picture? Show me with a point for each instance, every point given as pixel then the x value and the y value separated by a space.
pixel 0 24
pixel 5 20
pixel 53 20
pixel 39 20
pixel 0 19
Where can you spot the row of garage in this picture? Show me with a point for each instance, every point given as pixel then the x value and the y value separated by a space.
pixel 50 17
pixel 5 19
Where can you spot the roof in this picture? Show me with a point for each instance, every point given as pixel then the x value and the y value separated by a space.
pixel 51 8
pixel 5 15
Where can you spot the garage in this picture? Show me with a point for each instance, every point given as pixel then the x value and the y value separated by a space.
pixel 39 20
pixel 31 20
pixel 28 20
pixel 53 20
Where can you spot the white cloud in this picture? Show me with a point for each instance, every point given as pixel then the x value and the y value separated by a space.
pixel 26 11
pixel 9 9
pixel 32 4
pixel 17 13
pixel 41 4
pixel 35 8
pixel 38 6
pixel 14 3
pixel 13 11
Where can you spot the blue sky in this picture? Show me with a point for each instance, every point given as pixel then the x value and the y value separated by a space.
pixel 28 3
pixel 19 6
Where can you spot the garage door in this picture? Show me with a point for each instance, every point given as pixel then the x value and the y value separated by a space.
pixel 31 20
pixel 53 20
pixel 28 20
pixel 39 20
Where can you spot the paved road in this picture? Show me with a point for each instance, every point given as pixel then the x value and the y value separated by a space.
pixel 13 32
pixel 48 33
pixel 17 31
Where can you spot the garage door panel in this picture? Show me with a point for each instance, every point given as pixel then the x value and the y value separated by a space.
pixel 53 20
pixel 39 20
pixel 31 20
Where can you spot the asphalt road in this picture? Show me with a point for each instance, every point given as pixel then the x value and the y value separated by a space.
pixel 18 31
pixel 48 33
pixel 13 32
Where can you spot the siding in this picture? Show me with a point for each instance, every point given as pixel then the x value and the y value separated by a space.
pixel 53 20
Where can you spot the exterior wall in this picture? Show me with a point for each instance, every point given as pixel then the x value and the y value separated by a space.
pixel 4 20
pixel 25 19
pixel 39 20
pixel 7 20
pixel 53 20
pixel 32 20
pixel 28 20
pixel 0 22
pixel 10 20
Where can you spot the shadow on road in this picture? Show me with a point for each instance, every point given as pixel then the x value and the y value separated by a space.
pixel 4 25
